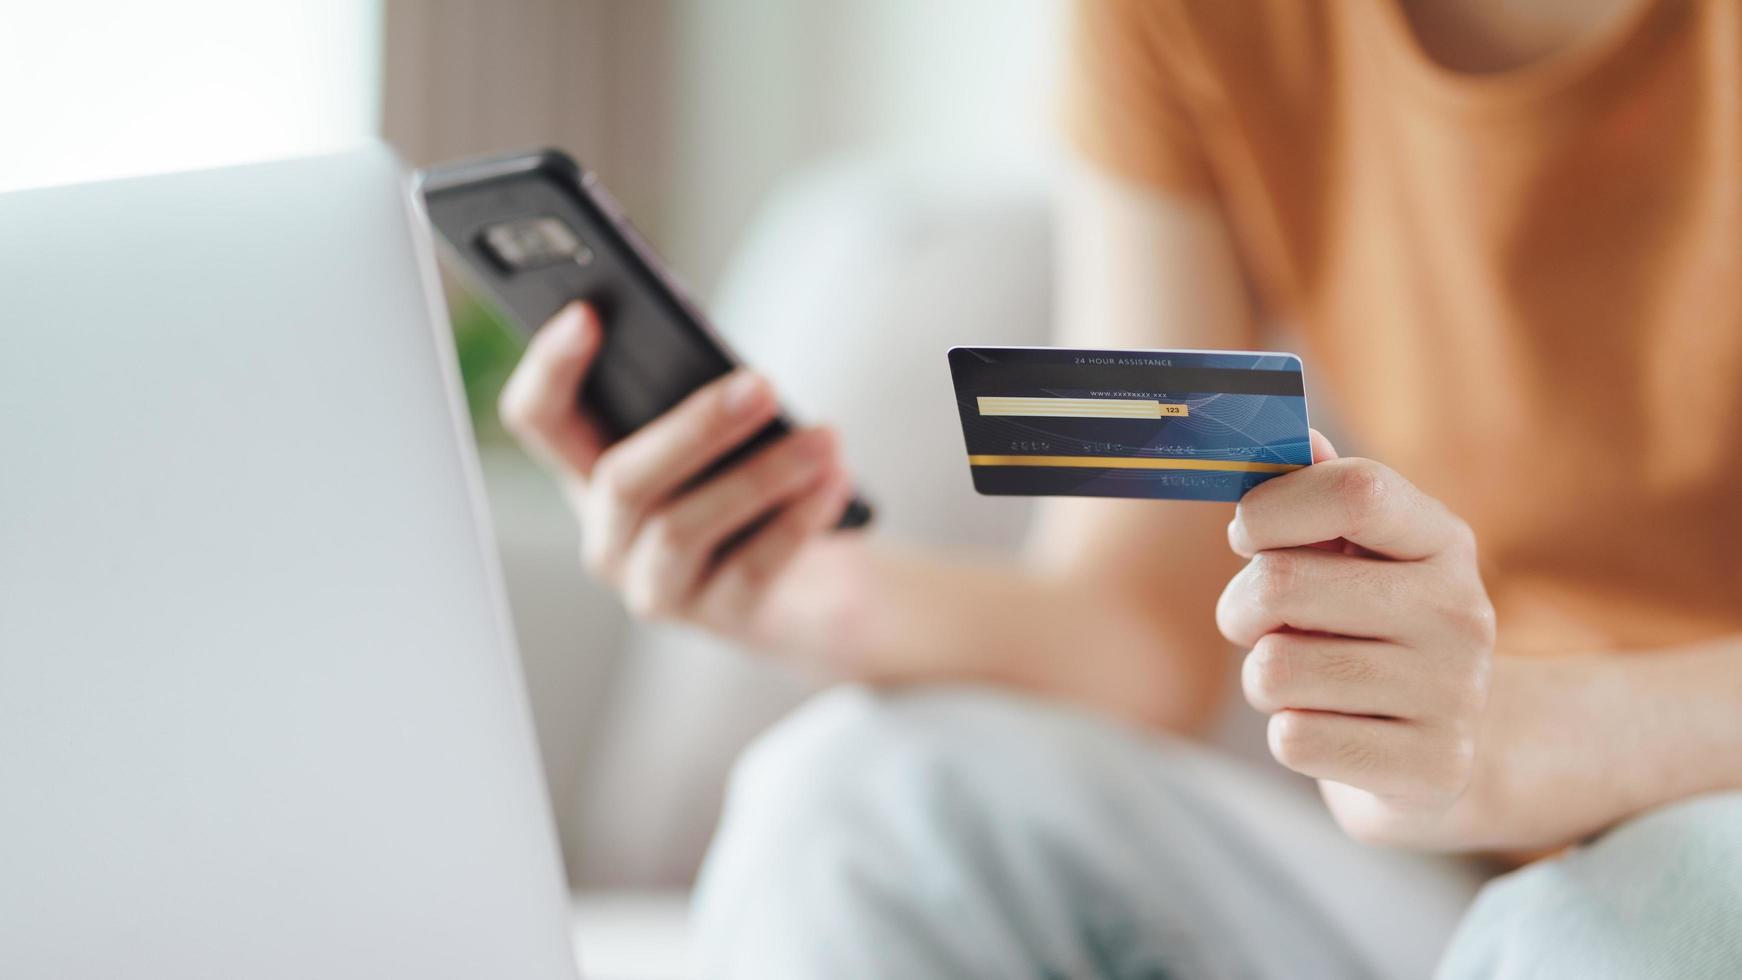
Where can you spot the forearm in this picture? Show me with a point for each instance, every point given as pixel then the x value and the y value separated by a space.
pixel 1578 744
pixel 908 615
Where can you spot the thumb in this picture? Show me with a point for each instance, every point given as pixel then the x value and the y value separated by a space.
pixel 1323 451
pixel 538 401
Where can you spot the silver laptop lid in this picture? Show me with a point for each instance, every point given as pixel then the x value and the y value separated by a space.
pixel 260 713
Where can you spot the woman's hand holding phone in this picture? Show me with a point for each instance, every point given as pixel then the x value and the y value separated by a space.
pixel 647 529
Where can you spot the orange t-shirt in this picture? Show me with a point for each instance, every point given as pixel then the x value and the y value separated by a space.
pixel 1522 290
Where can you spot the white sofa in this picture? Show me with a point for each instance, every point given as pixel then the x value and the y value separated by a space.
pixel 847 290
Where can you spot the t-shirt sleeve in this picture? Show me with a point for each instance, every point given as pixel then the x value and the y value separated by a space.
pixel 1123 100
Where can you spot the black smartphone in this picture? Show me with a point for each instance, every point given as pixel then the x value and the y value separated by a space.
pixel 537 231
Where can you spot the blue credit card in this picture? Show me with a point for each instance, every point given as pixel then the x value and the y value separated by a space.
pixel 1153 424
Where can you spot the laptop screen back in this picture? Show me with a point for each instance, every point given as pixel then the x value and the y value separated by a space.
pixel 260 712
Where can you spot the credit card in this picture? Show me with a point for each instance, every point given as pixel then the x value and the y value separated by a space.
pixel 1152 424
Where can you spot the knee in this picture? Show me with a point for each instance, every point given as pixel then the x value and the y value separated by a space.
pixel 1650 893
pixel 858 776
pixel 1704 831
pixel 813 753
pixel 859 801
pixel 1685 853
pixel 857 758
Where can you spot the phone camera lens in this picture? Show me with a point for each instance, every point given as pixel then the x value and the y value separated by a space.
pixel 532 243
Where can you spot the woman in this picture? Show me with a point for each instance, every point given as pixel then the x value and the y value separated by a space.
pixel 1509 235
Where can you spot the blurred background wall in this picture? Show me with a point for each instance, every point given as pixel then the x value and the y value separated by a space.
pixel 851 184
pixel 693 110
pixel 714 120
pixel 94 89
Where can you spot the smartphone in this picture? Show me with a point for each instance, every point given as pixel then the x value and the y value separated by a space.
pixel 536 231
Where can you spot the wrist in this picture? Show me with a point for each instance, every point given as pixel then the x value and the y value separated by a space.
pixel 816 616
pixel 857 609
pixel 1548 771
pixel 888 615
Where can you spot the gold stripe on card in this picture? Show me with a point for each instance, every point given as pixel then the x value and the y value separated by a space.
pixel 1082 408
pixel 1135 463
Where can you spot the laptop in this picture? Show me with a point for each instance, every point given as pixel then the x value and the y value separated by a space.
pixel 260 709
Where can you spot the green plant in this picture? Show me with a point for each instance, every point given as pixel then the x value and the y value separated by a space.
pixel 488 348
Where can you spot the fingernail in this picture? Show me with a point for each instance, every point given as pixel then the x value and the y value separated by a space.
pixel 743 393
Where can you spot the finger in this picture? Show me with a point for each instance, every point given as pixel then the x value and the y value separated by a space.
pixel 1352 677
pixel 648 466
pixel 724 505
pixel 676 544
pixel 1389 758
pixel 1308 590
pixel 1323 451
pixel 1351 498
pixel 537 403
pixel 746 573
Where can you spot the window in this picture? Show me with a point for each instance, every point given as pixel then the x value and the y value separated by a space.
pixel 93 89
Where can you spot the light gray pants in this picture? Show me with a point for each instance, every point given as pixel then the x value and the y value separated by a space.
pixel 974 834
